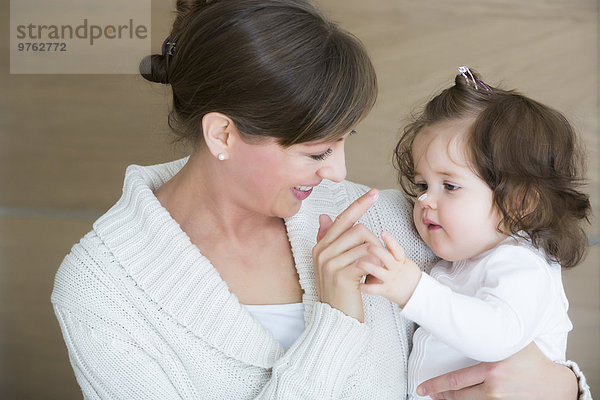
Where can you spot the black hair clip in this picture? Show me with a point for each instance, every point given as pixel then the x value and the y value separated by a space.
pixel 168 47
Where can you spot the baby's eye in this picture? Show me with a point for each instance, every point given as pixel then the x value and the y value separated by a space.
pixel 421 187
pixel 322 156
pixel 450 187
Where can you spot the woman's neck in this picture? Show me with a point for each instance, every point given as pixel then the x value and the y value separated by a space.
pixel 199 199
pixel 250 251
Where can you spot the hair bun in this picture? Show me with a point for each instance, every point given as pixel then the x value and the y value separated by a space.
pixel 184 6
pixel 154 68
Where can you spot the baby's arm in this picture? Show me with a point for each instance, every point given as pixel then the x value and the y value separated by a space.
pixel 501 318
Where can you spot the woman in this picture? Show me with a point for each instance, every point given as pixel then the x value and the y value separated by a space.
pixel 199 282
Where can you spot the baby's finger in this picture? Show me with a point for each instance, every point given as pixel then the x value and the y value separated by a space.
pixel 372 269
pixel 383 255
pixel 372 288
pixel 373 260
pixel 394 247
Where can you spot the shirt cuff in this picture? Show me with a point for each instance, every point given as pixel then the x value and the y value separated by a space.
pixel 331 345
pixel 584 388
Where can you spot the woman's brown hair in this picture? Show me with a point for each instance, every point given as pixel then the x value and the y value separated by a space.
pixel 277 68
pixel 528 155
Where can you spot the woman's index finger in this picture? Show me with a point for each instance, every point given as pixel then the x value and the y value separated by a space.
pixel 347 218
pixel 455 380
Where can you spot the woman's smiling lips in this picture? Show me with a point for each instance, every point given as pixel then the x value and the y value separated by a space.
pixel 301 192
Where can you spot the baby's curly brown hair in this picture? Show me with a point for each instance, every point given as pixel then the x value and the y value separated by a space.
pixel 528 155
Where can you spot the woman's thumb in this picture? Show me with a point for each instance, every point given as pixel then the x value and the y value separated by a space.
pixel 324 224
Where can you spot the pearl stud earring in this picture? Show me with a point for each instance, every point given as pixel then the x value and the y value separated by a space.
pixel 221 156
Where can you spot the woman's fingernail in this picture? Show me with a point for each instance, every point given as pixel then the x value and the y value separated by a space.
pixel 420 391
pixel 374 193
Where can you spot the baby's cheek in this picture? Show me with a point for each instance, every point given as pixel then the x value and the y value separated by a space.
pixel 417 219
pixel 416 213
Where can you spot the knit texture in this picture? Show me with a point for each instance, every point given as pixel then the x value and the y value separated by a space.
pixel 146 316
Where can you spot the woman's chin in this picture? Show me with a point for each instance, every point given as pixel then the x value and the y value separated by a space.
pixel 290 212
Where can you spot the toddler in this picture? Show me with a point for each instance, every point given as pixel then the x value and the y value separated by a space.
pixel 495 176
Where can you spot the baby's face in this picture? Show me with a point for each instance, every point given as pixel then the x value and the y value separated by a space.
pixel 454 213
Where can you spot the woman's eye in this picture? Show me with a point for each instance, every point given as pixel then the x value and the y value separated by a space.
pixel 322 156
pixel 450 187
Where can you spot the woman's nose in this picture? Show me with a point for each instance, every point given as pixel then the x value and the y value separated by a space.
pixel 334 167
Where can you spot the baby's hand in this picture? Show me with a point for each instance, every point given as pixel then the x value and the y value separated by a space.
pixel 399 276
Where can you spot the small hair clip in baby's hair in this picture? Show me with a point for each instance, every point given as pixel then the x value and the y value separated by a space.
pixel 484 85
pixel 465 70
pixel 422 197
pixel 168 47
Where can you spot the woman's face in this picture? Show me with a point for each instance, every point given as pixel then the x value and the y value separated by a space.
pixel 273 181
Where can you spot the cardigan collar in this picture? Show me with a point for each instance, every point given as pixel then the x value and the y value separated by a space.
pixel 163 263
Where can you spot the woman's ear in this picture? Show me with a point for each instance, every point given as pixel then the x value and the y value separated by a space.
pixel 218 129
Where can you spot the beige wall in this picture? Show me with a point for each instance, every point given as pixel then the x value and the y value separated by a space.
pixel 66 140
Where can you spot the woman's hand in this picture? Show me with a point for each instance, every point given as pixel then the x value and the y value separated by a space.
pixel 527 374
pixel 340 245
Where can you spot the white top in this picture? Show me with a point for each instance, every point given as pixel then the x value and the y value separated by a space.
pixel 284 321
pixel 146 316
pixel 486 309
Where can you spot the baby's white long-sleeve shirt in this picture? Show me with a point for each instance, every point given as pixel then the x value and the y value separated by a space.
pixel 485 309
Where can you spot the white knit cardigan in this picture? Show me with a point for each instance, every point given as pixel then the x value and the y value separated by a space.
pixel 146 316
